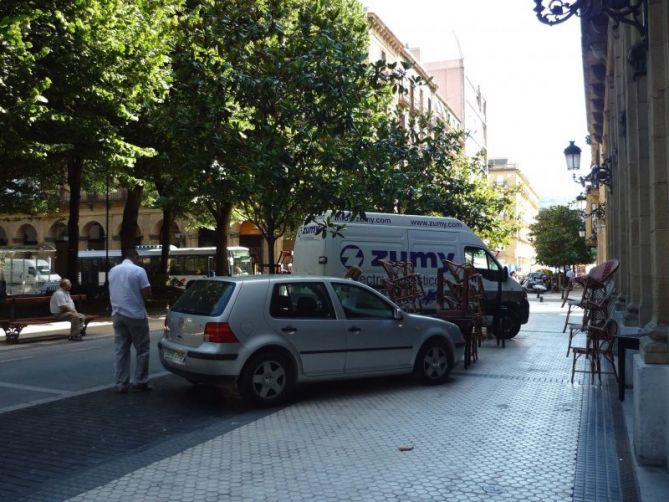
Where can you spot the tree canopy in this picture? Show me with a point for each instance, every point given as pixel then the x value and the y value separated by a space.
pixel 422 168
pixel 88 68
pixel 555 236
pixel 270 108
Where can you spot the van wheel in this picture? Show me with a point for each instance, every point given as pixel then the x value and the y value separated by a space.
pixel 434 362
pixel 267 379
pixel 510 323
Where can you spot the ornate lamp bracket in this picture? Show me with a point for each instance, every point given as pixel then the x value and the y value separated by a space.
pixel 632 12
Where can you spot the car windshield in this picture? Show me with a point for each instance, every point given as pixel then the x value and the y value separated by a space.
pixel 207 298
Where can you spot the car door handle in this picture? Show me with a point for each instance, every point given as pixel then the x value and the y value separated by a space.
pixel 289 329
pixel 354 329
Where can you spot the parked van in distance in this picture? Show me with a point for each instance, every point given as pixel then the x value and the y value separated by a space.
pixel 424 241
pixel 29 276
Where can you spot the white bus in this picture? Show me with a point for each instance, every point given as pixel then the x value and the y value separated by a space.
pixel 184 266
pixel 188 264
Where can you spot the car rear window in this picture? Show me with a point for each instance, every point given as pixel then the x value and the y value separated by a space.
pixel 207 298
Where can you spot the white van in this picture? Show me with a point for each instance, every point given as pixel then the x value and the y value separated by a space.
pixel 424 241
pixel 25 276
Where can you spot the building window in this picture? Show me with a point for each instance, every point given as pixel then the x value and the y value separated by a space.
pixel 383 56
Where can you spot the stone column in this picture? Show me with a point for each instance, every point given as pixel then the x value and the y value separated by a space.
pixel 618 205
pixel 655 347
pixel 646 299
pixel 629 142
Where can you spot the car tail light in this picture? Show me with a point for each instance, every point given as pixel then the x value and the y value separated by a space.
pixel 219 332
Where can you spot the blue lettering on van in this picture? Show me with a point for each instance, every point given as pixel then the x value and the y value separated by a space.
pixel 351 256
pixel 419 259
pixel 311 229
pixel 378 255
pixel 430 296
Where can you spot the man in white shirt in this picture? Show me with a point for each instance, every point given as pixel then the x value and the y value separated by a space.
pixel 62 307
pixel 128 287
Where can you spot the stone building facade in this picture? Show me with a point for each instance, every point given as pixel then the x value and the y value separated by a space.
pixel 520 254
pixel 469 104
pixel 385 46
pixel 626 67
pixel 18 230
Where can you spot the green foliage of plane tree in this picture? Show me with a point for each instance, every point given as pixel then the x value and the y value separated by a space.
pixel 555 236
pixel 314 97
pixel 202 125
pixel 271 99
pixel 96 64
pixel 421 168
pixel 26 186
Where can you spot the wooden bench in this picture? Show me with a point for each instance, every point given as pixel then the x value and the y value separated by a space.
pixel 13 324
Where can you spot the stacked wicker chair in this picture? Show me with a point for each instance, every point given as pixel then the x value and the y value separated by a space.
pixel 596 326
pixel 403 285
pixel 461 300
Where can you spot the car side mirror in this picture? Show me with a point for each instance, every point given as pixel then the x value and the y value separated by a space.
pixel 505 274
pixel 398 315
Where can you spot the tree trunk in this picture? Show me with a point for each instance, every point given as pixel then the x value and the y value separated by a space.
pixel 75 169
pixel 168 218
pixel 222 214
pixel 130 214
pixel 270 238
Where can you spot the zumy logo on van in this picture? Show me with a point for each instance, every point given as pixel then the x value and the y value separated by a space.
pixel 351 256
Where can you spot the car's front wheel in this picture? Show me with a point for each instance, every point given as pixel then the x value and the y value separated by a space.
pixel 267 379
pixel 434 362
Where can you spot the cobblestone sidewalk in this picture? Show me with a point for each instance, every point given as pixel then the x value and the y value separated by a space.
pixel 512 427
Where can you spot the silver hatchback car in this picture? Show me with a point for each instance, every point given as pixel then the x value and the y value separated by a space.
pixel 267 333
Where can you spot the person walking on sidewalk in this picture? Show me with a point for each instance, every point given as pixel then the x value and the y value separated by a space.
pixel 62 307
pixel 128 288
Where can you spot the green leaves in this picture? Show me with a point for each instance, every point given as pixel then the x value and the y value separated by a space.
pixel 556 239
pixel 421 168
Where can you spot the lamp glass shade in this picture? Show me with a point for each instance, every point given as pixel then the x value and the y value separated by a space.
pixel 581 233
pixel 572 155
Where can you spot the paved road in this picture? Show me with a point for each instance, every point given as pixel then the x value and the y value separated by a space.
pixel 60 418
pixel 55 368
pixel 512 427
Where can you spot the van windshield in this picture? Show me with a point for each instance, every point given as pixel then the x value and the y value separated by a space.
pixel 43 269
pixel 208 298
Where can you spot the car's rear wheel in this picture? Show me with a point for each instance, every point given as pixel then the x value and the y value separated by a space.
pixel 434 362
pixel 267 379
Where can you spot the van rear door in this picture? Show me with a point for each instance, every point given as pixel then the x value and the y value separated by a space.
pixel 309 254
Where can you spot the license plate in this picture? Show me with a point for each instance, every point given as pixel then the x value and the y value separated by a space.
pixel 174 356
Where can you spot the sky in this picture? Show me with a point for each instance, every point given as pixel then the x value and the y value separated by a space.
pixel 530 74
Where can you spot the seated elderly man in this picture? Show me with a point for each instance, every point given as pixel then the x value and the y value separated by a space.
pixel 63 309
